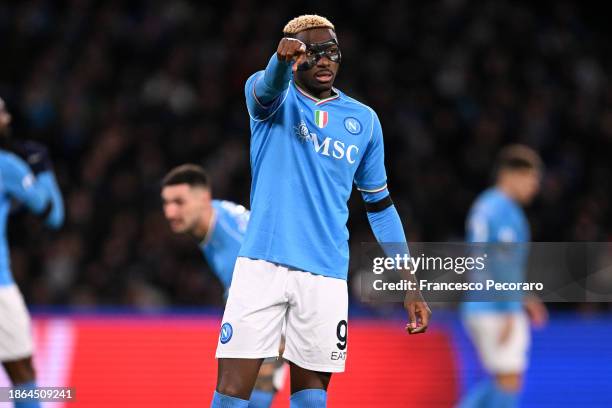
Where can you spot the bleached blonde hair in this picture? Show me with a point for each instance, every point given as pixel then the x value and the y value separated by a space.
pixel 306 22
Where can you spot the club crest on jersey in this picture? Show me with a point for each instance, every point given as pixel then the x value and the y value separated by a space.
pixel 352 125
pixel 321 118
pixel 226 333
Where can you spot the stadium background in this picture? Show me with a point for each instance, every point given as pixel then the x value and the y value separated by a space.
pixel 122 91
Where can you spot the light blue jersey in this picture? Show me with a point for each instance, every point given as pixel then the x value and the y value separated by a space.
pixel 224 238
pixel 305 156
pixel 18 183
pixel 495 218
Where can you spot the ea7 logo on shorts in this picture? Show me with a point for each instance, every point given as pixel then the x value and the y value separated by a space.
pixel 226 333
pixel 338 356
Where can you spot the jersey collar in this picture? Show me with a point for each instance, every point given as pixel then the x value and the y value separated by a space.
pixel 316 100
pixel 212 223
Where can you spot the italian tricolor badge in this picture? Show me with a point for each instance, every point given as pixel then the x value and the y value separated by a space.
pixel 321 118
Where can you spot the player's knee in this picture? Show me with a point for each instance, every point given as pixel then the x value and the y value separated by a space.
pixel 302 379
pixel 236 377
pixel 509 382
pixel 233 388
pixel 20 371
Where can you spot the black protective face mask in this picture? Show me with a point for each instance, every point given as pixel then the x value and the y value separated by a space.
pixel 314 52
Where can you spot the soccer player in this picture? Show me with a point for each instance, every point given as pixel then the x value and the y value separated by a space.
pixel 219 227
pixel 500 329
pixel 40 194
pixel 309 144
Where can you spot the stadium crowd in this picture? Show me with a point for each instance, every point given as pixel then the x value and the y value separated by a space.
pixel 122 91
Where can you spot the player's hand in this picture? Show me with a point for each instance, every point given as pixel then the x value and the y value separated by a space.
pixel 291 49
pixel 34 154
pixel 536 310
pixel 418 311
pixel 506 330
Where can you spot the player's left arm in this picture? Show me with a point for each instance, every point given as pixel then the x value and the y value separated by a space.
pixel 55 219
pixel 37 157
pixel 371 181
pixel 532 304
pixel 536 310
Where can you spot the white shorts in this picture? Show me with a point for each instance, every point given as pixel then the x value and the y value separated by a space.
pixel 485 330
pixel 15 325
pixel 263 295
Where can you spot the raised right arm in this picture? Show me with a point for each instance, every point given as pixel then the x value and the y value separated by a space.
pixel 264 87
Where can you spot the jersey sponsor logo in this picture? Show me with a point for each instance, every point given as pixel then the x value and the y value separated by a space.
pixel 327 146
pixel 334 148
pixel 226 333
pixel 321 118
pixel 352 125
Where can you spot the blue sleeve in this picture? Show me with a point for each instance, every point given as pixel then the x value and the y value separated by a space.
pixel 371 175
pixel 262 89
pixel 387 226
pixel 20 184
pixel 478 226
pixel 55 219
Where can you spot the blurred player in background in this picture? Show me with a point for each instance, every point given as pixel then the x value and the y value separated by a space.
pixel 309 144
pixel 219 227
pixel 500 329
pixel 31 183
